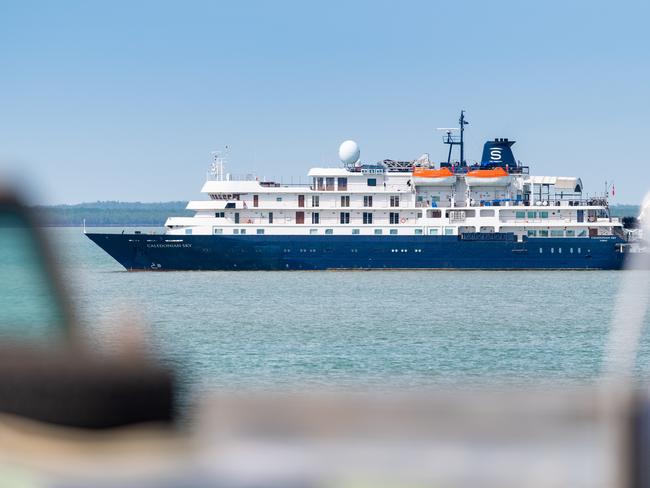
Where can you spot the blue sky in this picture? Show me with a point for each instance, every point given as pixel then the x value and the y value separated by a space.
pixel 125 100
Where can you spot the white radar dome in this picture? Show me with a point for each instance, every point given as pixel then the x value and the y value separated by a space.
pixel 349 152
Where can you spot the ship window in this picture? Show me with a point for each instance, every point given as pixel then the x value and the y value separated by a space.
pixel 543 233
pixel 256 200
pixel 394 218
pixel 532 215
pixel 532 233
pixel 518 214
pixel 378 232
pixel 541 250
pixel 393 232
pixel 236 217
pixel 188 231
pixel 367 201
pixel 559 250
pixel 355 232
pixel 260 231
pixel 270 217
pixel 570 233
pixel 219 215
pixel 243 231
pixel 434 214
pixel 372 181
pixel 343 184
pixel 235 231
pixel 300 217
pixel 315 218
pixel 345 217
pixel 543 215
pixel 419 215
pixel 313 231
pixel 367 218
pixel 490 213
pixel 418 232
pixel 557 233
pixel 230 205
pixel 552 250
pixel 582 233
pixel 345 200
pixel 329 184
pixel 394 201
pixel 433 232
pixel 449 231
pixel 218 231
pixel 315 201
pixel 278 199
pixel 329 231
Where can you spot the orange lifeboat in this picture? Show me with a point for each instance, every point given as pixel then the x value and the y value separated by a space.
pixel 488 177
pixel 433 177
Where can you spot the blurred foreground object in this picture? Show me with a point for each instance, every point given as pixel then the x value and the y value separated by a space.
pixel 46 372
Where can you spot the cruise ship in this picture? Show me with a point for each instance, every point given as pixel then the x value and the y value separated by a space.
pixel 386 215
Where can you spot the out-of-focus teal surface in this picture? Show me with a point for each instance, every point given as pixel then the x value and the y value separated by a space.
pixel 380 329
pixel 29 311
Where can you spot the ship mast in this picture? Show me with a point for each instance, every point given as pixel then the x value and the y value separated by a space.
pixel 453 140
pixel 462 123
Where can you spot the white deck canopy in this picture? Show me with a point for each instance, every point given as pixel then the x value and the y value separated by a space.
pixel 566 183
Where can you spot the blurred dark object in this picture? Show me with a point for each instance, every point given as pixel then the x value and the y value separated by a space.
pixel 46 371
pixel 630 222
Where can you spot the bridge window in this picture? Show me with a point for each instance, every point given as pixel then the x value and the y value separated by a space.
pixel 320 183
pixel 329 184
pixel 343 184
pixel 372 181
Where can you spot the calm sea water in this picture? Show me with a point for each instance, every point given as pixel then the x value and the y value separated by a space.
pixel 380 329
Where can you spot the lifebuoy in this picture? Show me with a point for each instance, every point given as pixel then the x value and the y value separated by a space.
pixel 403 220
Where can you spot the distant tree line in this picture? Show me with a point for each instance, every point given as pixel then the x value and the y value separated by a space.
pixel 105 214
pixel 99 214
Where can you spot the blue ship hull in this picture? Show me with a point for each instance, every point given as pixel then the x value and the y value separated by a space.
pixel 269 252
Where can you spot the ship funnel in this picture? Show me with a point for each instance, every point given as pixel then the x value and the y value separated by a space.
pixel 497 153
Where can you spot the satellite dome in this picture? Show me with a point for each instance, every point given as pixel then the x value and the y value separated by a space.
pixel 349 152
